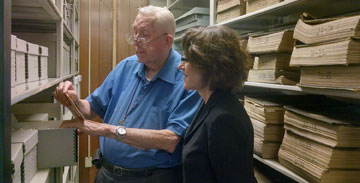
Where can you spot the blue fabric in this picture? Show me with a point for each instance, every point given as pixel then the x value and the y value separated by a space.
pixel 167 106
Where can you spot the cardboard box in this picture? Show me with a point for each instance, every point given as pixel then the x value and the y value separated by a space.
pixel 29 140
pixel 43 176
pixel 32 62
pixel 254 5
pixel 20 61
pixel 43 63
pixel 53 152
pixel 48 40
pixel 16 161
pixel 228 9
pixel 67 59
pixel 13 61
pixel 53 110
pixel 32 117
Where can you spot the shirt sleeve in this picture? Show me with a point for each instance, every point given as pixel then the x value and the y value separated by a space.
pixel 229 150
pixel 184 113
pixel 99 100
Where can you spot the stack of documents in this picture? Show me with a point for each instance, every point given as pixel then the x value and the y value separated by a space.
pixel 322 144
pixel 330 57
pixel 271 64
pixel 267 119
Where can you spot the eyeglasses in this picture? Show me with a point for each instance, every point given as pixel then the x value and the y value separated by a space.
pixel 140 41
pixel 183 59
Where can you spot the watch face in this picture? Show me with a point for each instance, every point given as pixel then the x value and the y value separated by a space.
pixel 122 131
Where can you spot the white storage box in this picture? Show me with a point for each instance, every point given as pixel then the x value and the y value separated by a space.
pixel 53 110
pixel 57 147
pixel 43 176
pixel 20 61
pixel 13 61
pixel 48 40
pixel 32 62
pixel 29 140
pixel 16 161
pixel 32 117
pixel 67 59
pixel 43 63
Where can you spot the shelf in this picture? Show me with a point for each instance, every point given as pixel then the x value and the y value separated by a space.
pixel 178 40
pixel 319 91
pixel 68 33
pixel 274 163
pixel 35 10
pixel 188 4
pixel 30 89
pixel 288 13
pixel 179 7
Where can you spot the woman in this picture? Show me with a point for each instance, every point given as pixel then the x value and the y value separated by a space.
pixel 218 145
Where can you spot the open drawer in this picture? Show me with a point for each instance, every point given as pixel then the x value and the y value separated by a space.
pixel 57 147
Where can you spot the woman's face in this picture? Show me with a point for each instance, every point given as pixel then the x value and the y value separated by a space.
pixel 192 76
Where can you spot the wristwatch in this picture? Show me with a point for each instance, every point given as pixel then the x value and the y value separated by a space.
pixel 120 132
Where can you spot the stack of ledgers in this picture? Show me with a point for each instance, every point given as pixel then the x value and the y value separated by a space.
pixel 267 116
pixel 271 64
pixel 322 144
pixel 330 57
pixel 249 63
pixel 228 9
pixel 254 5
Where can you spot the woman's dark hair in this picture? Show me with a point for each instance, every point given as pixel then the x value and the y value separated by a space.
pixel 215 52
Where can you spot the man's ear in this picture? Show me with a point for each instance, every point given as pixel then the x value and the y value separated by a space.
pixel 169 40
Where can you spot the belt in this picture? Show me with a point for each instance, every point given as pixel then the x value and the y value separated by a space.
pixel 126 172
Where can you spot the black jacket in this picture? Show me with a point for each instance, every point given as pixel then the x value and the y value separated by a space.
pixel 218 145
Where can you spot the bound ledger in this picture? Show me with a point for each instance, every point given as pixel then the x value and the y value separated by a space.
pixel 228 9
pixel 320 154
pixel 264 109
pixel 275 42
pixel 322 30
pixel 338 52
pixel 322 143
pixel 315 173
pixel 340 77
pixel 274 76
pixel 277 61
pixel 268 132
pixel 331 126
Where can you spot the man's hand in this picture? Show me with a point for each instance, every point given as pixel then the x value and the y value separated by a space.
pixel 91 127
pixel 82 126
pixel 61 89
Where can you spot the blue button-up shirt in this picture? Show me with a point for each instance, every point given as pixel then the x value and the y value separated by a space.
pixel 166 106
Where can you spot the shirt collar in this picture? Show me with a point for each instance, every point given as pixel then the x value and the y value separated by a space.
pixel 167 72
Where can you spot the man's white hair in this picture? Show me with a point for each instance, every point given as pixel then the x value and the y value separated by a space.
pixel 163 17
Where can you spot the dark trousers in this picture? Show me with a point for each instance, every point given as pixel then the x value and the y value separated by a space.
pixel 162 175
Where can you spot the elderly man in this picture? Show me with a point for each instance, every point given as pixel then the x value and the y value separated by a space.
pixel 143 105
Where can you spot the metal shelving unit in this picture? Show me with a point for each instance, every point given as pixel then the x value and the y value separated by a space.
pixel 287 13
pixel 36 10
pixel 280 16
pixel 37 87
pixel 274 163
pixel 179 7
pixel 318 91
pixel 40 22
